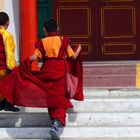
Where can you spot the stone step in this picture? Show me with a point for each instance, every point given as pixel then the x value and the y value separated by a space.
pixel 93 93
pixel 71 132
pixel 103 105
pixel 112 81
pixel 73 119
pixel 108 69
pixel 126 138
pixel 111 75
pixel 107 105
pixel 96 105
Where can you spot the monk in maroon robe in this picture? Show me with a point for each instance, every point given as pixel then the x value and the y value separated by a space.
pixel 54 50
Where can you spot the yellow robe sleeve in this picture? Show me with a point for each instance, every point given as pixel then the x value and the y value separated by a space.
pixel 70 51
pixel 9 46
pixel 38 53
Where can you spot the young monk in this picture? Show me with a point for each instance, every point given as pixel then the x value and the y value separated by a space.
pixel 53 52
pixel 7 58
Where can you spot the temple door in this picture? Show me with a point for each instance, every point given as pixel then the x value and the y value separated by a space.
pixel 106 29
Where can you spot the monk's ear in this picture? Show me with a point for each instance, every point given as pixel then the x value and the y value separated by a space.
pixel 7 24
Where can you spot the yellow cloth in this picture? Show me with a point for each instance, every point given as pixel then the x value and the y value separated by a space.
pixel 9 47
pixel 38 53
pixel 52 46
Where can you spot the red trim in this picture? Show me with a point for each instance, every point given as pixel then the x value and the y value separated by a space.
pixel 52 34
pixel 28 28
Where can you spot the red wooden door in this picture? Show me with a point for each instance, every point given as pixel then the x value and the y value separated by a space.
pixel 106 29
pixel 119 30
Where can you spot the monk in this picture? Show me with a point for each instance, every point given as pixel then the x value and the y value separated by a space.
pixel 7 58
pixel 53 50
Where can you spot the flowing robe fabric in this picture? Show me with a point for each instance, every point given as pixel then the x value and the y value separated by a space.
pixel 24 87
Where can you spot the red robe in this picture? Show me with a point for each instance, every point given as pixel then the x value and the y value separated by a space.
pixel 25 87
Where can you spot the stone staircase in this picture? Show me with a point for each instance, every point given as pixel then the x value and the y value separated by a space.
pixel 112 74
pixel 110 111
pixel 105 114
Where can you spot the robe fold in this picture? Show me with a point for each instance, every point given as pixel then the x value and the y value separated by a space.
pixel 75 68
pixel 25 87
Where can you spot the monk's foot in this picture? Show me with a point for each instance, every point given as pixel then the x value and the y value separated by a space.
pixel 10 107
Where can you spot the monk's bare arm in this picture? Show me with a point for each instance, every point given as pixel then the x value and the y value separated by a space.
pixel 33 57
pixel 77 52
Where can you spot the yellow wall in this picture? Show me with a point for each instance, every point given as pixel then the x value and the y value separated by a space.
pixel 1 5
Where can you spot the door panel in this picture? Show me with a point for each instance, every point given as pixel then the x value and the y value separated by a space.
pixel 106 29
pixel 117 40
pixel 74 19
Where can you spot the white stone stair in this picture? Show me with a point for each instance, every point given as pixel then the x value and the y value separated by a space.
pixel 71 132
pixel 105 114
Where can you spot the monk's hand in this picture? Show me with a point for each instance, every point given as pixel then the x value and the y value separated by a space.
pixel 80 48
pixel 33 57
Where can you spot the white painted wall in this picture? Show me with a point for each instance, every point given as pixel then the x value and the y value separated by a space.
pixel 1 5
pixel 11 7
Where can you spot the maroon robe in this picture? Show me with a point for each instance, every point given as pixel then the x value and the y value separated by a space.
pixel 2 55
pixel 25 87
